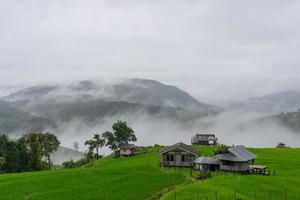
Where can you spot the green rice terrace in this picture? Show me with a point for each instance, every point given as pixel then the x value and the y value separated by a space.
pixel 140 177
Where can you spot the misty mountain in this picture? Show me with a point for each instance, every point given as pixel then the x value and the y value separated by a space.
pixel 49 116
pixel 128 90
pixel 276 103
pixel 289 120
pixel 14 120
pixel 51 107
pixel 65 154
pixel 8 89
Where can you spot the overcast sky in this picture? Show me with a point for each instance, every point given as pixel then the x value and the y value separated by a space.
pixel 213 49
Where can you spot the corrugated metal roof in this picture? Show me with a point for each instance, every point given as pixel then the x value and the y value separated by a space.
pixel 180 145
pixel 229 157
pixel 207 160
pixel 235 154
pixel 242 153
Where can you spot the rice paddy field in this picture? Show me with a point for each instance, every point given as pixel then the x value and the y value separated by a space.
pixel 127 179
pixel 285 184
pixel 140 177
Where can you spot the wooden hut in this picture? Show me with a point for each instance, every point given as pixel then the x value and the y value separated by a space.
pixel 281 145
pixel 178 155
pixel 207 163
pixel 127 149
pixel 237 159
pixel 204 139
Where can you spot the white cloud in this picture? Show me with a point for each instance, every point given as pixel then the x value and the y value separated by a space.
pixel 215 50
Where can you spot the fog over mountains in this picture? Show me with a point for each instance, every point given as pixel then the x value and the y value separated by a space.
pixel 128 90
pixel 272 104
pixel 158 113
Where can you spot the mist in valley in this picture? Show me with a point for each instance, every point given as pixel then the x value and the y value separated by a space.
pixel 232 128
pixel 202 48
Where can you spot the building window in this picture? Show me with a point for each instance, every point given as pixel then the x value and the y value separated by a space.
pixel 226 162
pixel 183 158
pixel 171 157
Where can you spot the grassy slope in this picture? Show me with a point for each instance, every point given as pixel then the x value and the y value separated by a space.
pixel 128 178
pixel 286 163
pixel 139 177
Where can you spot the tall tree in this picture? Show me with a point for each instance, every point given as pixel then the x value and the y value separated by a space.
pixel 50 143
pixel 91 148
pixel 3 146
pixel 111 141
pixel 3 142
pixel 122 134
pixel 95 144
pixel 40 145
pixel 33 143
pixel 23 156
pixel 99 143
pixel 11 157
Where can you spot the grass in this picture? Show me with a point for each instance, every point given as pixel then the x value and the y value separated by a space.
pixel 128 178
pixel 285 183
pixel 139 177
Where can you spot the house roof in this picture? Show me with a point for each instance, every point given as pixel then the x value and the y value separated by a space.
pixel 126 146
pixel 237 154
pixel 207 160
pixel 182 146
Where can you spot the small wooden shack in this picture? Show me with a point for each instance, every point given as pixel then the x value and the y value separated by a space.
pixel 237 159
pixel 127 149
pixel 207 163
pixel 204 139
pixel 281 145
pixel 179 155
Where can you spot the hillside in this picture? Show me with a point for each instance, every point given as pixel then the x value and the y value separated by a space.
pixel 53 116
pixel 128 90
pixel 286 181
pixel 93 104
pixel 276 103
pixel 141 178
pixel 290 120
pixel 14 120
pixel 65 154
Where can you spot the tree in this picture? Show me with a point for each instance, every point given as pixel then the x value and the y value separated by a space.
pixel 99 143
pixel 95 144
pixel 11 157
pixel 122 134
pixel 33 142
pixel 111 141
pixel 50 143
pixel 23 155
pixel 40 145
pixel 91 148
pixel 3 146
pixel 3 143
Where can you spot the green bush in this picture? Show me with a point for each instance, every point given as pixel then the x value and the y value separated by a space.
pixel 72 164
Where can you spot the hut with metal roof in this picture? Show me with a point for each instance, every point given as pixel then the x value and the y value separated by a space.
pixel 207 163
pixel 204 139
pixel 127 149
pixel 179 155
pixel 237 159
